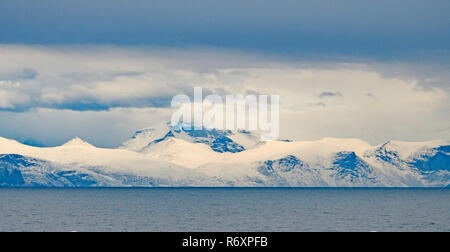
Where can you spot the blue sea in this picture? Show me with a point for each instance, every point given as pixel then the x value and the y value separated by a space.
pixel 229 210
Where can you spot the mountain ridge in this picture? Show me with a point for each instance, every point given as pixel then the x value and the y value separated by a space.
pixel 178 156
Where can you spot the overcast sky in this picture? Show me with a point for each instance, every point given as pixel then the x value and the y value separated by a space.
pixel 375 70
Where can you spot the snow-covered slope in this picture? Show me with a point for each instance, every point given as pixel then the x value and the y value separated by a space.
pixel 78 154
pixel 178 156
pixel 17 170
pixel 218 140
pixel 183 153
pixel 144 137
pixel 336 162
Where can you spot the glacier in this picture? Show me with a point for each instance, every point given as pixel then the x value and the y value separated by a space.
pixel 166 156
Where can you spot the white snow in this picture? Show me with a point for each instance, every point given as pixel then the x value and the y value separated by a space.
pixel 406 149
pixel 184 153
pixel 77 142
pixel 248 141
pixel 145 136
pixel 78 151
pixel 181 158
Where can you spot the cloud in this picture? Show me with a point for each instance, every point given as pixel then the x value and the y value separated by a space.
pixel 19 74
pixel 104 93
pixel 52 127
pixel 285 26
pixel 330 94
pixel 372 96
pixel 428 70
pixel 10 99
pixel 320 104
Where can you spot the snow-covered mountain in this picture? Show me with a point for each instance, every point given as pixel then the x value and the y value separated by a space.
pixel 218 140
pixel 181 156
pixel 105 167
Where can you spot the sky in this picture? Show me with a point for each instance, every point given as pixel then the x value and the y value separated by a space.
pixel 375 70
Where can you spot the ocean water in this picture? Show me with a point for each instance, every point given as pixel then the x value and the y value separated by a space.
pixel 184 209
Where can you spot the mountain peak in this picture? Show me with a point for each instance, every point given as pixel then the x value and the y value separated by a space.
pixel 145 136
pixel 218 140
pixel 77 142
pixel 405 149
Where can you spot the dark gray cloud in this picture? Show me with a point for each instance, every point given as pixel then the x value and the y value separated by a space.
pixel 361 27
pixel 330 94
